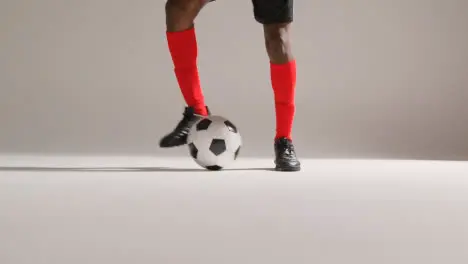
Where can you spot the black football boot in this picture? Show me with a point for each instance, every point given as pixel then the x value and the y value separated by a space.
pixel 178 136
pixel 286 159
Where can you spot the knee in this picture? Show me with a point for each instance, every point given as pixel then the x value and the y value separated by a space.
pixel 182 6
pixel 277 42
pixel 180 14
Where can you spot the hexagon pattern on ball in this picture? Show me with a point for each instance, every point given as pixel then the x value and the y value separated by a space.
pixel 214 168
pixel 203 124
pixel 193 150
pixel 236 154
pixel 230 126
pixel 218 146
pixel 214 143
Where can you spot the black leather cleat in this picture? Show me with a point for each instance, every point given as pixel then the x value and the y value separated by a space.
pixel 178 136
pixel 286 159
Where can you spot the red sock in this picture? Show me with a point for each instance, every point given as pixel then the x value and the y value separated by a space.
pixel 283 80
pixel 184 51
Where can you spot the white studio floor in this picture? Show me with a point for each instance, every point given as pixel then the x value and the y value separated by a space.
pixel 122 210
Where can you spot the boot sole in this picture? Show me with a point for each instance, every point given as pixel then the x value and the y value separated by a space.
pixel 173 146
pixel 287 169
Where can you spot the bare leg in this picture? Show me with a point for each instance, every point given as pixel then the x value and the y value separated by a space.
pixel 180 14
pixel 278 43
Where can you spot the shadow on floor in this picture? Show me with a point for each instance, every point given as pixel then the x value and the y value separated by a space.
pixel 119 169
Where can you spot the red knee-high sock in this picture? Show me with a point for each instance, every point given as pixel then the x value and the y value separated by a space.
pixel 283 80
pixel 184 51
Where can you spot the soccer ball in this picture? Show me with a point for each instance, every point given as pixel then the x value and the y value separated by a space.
pixel 214 142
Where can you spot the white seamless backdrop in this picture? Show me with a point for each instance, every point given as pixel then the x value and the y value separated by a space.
pixel 377 79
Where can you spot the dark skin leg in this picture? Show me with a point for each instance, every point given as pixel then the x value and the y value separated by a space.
pixel 180 14
pixel 278 42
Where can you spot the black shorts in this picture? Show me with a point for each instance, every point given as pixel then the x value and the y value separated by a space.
pixel 272 11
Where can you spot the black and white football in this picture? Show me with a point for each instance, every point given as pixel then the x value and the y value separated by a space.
pixel 214 142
